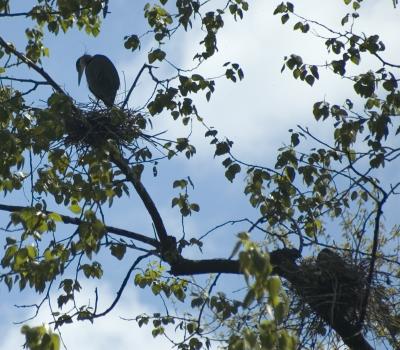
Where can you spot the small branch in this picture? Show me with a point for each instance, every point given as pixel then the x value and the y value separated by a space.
pixel 135 83
pixel 230 222
pixel 385 63
pixel 20 80
pixel 32 65
pixel 75 221
pixel 206 302
pixel 16 14
pixel 123 285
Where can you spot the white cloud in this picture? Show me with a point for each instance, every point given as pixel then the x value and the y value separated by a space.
pixel 109 332
pixel 257 112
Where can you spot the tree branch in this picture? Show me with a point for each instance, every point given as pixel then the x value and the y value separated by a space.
pixel 373 258
pixel 32 65
pixel 134 178
pixel 75 221
pixel 122 287
pixel 134 83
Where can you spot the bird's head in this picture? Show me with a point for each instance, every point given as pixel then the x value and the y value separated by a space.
pixel 81 65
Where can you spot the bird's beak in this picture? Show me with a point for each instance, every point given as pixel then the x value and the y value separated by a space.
pixel 80 67
pixel 80 72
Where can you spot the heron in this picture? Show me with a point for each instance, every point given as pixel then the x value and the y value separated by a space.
pixel 101 76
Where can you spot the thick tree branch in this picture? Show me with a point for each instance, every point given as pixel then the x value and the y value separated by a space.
pixel 75 221
pixel 186 267
pixel 151 208
pixel 374 251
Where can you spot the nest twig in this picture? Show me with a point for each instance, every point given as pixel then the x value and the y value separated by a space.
pixel 339 283
pixel 95 127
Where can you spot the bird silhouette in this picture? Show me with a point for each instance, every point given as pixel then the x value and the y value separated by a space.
pixel 101 76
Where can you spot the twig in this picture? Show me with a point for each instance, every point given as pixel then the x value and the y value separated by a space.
pixel 20 80
pixel 134 83
pixel 32 65
pixel 123 285
pixel 75 221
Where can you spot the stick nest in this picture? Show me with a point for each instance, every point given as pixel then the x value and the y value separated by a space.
pixel 339 283
pixel 95 127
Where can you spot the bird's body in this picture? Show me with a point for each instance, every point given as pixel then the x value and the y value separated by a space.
pixel 101 76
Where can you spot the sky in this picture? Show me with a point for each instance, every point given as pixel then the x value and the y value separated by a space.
pixel 255 113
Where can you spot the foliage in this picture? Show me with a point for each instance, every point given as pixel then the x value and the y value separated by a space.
pixel 77 158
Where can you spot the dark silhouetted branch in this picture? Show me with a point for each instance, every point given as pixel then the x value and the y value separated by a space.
pixel 134 84
pixel 151 208
pixel 374 251
pixel 75 221
pixel 122 287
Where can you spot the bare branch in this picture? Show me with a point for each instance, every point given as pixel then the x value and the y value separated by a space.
pixel 135 82
pixel 20 80
pixel 122 287
pixel 134 178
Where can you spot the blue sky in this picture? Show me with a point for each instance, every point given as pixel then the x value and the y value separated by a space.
pixel 255 113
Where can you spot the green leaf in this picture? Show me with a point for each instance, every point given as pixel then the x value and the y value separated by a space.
pixel 280 312
pixel 295 139
pixel 40 338
pixel 310 80
pixel 156 55
pixel 249 298
pixel 195 207
pixel 222 148
pixel 132 42
pixel 75 208
pixel 290 173
pixel 314 71
pixel 232 171
pixel 284 18
pixel 390 85
pixel 274 287
pixel 345 19
pixel 118 250
pixel 10 241
pixel 180 183
pixel 175 201
pixel 356 5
